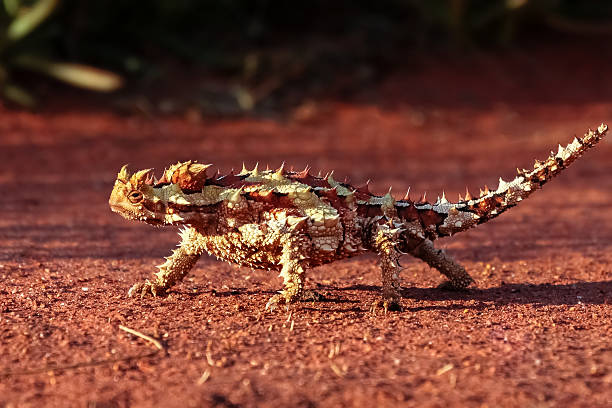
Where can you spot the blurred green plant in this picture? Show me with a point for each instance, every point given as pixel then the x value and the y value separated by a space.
pixel 18 20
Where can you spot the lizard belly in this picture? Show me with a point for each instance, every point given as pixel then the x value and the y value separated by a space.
pixel 259 245
pixel 234 248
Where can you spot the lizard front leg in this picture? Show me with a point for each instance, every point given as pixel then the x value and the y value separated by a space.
pixel 174 269
pixel 437 258
pixel 385 241
pixel 292 271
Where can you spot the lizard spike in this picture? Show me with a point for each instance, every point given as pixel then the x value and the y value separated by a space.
pixel 164 179
pixel 537 164
pixel 365 188
pixel 278 174
pixel 422 198
pixel 139 178
pixel 388 198
pixel 330 178
pixel 486 190
pixel 407 195
pixel 150 179
pixel 319 174
pixel 295 223
pixel 468 196
pixel 244 170
pixel 267 167
pixel 235 197
pixel 460 197
pixel 124 174
pixel 255 171
pixel 349 247
pixel 443 200
pixel 586 135
pixel 303 173
pixel 200 167
pixel 560 151
pixel 189 174
pixel 502 185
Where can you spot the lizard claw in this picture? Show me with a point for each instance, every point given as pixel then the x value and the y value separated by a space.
pixel 305 296
pixel 274 302
pixel 387 305
pixel 145 288
pixel 311 296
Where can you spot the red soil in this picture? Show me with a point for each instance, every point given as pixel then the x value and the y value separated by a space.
pixel 535 331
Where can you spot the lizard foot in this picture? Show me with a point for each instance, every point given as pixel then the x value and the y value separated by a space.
pixel 275 301
pixel 145 288
pixel 387 305
pixel 455 286
pixel 311 296
pixel 279 299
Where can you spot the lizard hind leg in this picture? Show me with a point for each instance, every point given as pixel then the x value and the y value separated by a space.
pixel 437 258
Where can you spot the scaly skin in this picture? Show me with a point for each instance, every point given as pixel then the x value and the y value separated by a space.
pixel 292 221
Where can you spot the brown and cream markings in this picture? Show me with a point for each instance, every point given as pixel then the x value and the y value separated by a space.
pixel 291 221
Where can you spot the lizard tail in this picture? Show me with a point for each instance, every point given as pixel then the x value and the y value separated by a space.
pixel 469 212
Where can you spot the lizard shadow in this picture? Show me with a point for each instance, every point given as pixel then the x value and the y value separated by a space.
pixel 325 296
pixel 536 294
pixel 506 294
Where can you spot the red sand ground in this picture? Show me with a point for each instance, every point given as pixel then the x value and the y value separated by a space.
pixel 536 331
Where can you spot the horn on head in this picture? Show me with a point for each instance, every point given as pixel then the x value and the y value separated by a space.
pixel 188 175
pixel 124 174
pixel 141 178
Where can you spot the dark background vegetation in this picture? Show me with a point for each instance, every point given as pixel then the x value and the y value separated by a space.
pixel 258 49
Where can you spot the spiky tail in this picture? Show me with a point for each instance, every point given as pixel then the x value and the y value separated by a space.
pixel 469 212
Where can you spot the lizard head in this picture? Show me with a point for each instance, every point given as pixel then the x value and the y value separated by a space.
pixel 176 198
pixel 133 197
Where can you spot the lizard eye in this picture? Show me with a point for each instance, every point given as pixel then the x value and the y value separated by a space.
pixel 135 196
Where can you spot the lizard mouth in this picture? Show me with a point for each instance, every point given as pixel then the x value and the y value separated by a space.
pixel 152 221
pixel 132 215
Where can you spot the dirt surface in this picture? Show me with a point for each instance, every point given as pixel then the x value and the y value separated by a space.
pixel 535 331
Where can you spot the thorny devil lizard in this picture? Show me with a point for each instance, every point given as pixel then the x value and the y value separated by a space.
pixel 290 221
